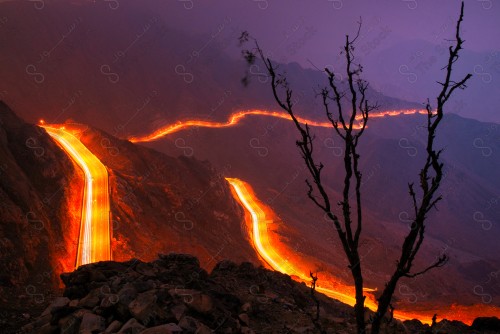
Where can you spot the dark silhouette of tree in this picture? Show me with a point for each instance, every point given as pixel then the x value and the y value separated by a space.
pixel 315 318
pixel 348 223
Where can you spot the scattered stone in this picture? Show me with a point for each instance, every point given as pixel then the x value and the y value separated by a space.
pixel 194 299
pixel 57 303
pixel 42 320
pixel 90 301
pixel 247 307
pixel 189 324
pixel 145 269
pixel 144 307
pixel 61 312
pixel 109 301
pixel 164 329
pixel 28 328
pixel 131 327
pixel 47 329
pixel 202 329
pixel 174 295
pixel 97 276
pixel 113 327
pixel 245 321
pixel 142 286
pixel 178 311
pixel 92 323
pixel 246 330
pixel 127 294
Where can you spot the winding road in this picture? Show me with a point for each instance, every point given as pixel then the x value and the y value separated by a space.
pixel 236 117
pixel 94 240
pixel 267 250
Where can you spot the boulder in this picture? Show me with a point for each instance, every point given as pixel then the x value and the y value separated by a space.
pixel 109 301
pixel 90 301
pixel 69 324
pixel 189 324
pixel 132 327
pixel 193 299
pixel 113 327
pixel 57 303
pixel 148 310
pixel 127 294
pixel 170 328
pixel 486 324
pixel 244 319
pixel 246 330
pixel 144 307
pixel 146 269
pixel 202 329
pixel 92 323
pixel 178 311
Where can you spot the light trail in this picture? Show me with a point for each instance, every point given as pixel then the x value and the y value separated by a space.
pixel 94 244
pixel 94 241
pixel 238 116
pixel 270 254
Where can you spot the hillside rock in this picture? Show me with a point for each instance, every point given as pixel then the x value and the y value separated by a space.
pixel 40 208
pixel 39 199
pixel 183 298
pixel 487 324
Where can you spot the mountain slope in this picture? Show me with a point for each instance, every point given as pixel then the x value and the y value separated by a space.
pixel 128 70
pixel 159 204
pixel 40 191
pixel 262 152
pixel 172 294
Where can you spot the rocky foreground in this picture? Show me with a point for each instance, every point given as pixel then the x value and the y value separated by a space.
pixel 174 295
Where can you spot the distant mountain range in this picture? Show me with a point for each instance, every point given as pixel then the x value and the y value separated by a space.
pixel 262 151
pixel 128 71
pixel 410 70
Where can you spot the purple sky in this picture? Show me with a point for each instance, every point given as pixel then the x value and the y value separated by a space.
pixel 400 44
pixel 313 32
pixel 320 25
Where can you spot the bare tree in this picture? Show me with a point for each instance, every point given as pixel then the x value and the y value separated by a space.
pixel 349 221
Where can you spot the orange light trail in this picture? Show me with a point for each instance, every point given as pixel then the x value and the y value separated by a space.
pixel 270 254
pixel 94 241
pixel 238 116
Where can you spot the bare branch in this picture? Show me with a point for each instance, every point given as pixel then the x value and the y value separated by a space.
pixel 441 261
pixel 430 175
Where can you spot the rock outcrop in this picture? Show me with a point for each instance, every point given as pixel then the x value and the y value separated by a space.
pixel 173 294
pixel 40 191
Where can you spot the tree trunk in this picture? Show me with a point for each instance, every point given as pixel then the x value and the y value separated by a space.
pixel 383 304
pixel 359 307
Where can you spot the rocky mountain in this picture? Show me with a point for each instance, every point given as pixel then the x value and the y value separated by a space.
pixel 158 204
pixel 173 294
pixel 262 152
pixel 39 191
pixel 129 70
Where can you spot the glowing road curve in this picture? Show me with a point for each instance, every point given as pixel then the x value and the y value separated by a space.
pixel 267 251
pixel 94 240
